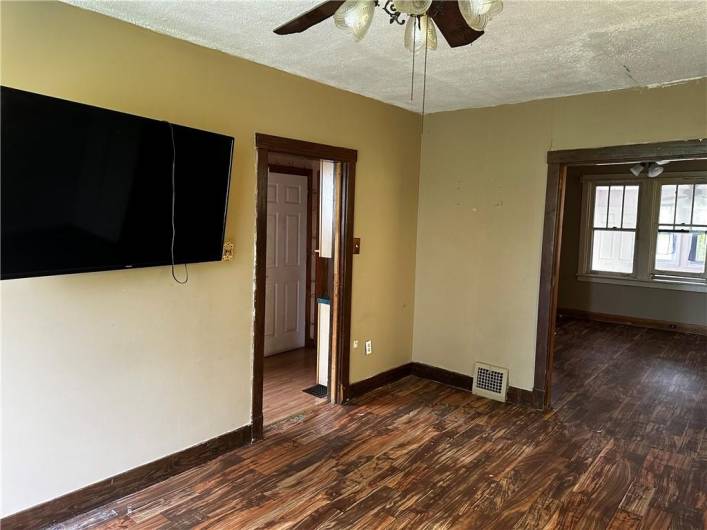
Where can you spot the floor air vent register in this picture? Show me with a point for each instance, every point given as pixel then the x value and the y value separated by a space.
pixel 490 381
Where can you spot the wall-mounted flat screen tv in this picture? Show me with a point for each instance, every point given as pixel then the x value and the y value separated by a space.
pixel 90 189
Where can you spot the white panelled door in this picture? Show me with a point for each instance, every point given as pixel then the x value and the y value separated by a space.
pixel 286 263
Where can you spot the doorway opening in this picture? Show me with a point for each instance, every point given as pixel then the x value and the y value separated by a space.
pixel 304 247
pixel 298 284
pixel 627 244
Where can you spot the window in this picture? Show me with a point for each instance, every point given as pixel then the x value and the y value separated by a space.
pixel 650 231
pixel 682 230
pixel 614 230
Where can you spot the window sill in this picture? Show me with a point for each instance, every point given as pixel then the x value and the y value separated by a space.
pixel 676 285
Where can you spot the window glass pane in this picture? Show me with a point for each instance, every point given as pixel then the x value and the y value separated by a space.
pixel 699 215
pixel 601 202
pixel 630 206
pixel 612 251
pixel 615 198
pixel 684 210
pixel 667 204
pixel 664 246
pixel 681 252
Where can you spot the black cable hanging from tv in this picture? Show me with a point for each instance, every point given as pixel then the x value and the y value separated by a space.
pixel 174 196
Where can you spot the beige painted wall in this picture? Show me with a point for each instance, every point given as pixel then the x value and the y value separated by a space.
pixel 670 305
pixel 103 372
pixel 482 197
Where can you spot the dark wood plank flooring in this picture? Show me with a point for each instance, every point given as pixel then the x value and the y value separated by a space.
pixel 623 448
pixel 285 376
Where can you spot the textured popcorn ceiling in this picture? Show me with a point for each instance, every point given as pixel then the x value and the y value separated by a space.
pixel 535 49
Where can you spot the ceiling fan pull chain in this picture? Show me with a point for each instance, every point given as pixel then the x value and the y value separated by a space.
pixel 412 79
pixel 424 83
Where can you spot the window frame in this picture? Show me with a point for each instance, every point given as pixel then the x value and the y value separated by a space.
pixel 663 275
pixel 586 236
pixel 645 245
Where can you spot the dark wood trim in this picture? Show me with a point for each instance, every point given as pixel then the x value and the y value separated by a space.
pixel 529 398
pixel 264 145
pixel 631 153
pixel 113 488
pixel 694 329
pixel 302 148
pixel 558 162
pixel 549 278
pixel 287 170
pixel 515 395
pixel 447 377
pixel 360 388
pixel 261 233
pixel 345 274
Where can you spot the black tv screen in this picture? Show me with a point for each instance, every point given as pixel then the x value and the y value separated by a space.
pixel 90 189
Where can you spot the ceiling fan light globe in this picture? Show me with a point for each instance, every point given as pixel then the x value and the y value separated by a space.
pixel 478 13
pixel 355 16
pixel 493 8
pixel 637 169
pixel 412 7
pixel 415 30
pixel 485 7
pixel 654 170
pixel 478 23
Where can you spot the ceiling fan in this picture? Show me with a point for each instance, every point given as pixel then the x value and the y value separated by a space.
pixel 461 22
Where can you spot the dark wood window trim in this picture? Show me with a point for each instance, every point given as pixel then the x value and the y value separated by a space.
pixel 557 164
pixel 266 144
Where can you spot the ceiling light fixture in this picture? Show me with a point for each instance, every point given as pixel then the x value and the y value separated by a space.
pixel 637 169
pixel 420 31
pixel 461 22
pixel 412 7
pixel 653 169
pixel 478 13
pixel 355 16
pixel 415 38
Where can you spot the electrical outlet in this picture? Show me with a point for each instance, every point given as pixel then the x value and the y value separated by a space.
pixel 355 344
pixel 369 347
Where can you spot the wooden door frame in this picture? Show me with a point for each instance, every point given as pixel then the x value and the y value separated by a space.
pixel 557 164
pixel 287 170
pixel 264 145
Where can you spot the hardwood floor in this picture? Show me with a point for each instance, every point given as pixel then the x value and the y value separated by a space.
pixel 285 376
pixel 623 448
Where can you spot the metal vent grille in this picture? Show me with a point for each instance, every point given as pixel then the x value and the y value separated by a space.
pixel 490 381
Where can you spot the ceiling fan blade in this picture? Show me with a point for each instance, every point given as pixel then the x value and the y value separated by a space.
pixel 451 23
pixel 306 20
